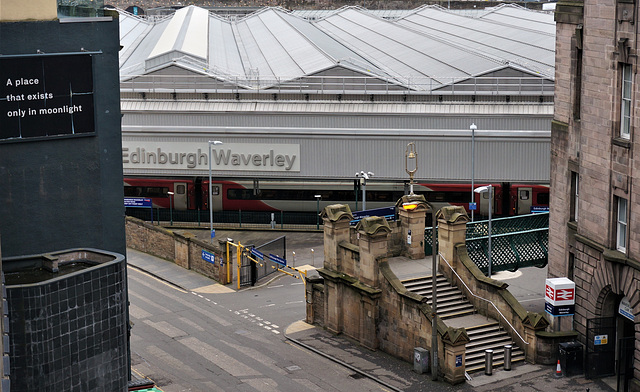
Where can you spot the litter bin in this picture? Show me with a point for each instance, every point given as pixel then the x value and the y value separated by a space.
pixel 571 358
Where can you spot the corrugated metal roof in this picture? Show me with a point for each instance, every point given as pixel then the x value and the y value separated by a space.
pixel 423 51
pixel 521 44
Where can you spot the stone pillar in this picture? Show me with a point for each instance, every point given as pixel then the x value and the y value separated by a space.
pixel 309 296
pixel 373 232
pixel 336 219
pixel 454 363
pixel 533 323
pixel 413 224
pixel 452 230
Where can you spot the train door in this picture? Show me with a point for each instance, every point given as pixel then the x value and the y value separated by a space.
pixel 524 200
pixel 216 192
pixel 483 204
pixel 180 196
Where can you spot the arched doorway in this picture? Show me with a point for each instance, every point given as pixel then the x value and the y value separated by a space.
pixel 611 340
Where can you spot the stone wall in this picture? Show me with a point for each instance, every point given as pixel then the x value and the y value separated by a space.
pixel 358 295
pixel 183 249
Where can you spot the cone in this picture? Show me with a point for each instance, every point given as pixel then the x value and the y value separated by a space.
pixel 558 370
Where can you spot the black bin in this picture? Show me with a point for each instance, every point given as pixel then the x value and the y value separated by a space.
pixel 571 358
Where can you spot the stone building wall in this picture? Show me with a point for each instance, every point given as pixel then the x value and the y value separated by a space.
pixel 185 250
pixel 594 39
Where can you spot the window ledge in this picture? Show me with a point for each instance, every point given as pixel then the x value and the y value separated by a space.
pixel 625 143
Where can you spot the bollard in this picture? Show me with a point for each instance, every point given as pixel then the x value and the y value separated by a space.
pixel 488 362
pixel 507 357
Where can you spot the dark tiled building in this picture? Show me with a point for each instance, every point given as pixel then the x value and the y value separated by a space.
pixel 61 188
pixel 595 226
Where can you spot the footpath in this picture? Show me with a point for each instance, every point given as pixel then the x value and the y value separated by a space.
pixel 391 373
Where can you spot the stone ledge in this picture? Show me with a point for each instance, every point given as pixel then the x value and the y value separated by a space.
pixel 350 281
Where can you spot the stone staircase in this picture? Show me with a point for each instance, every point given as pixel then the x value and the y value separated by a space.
pixel 452 304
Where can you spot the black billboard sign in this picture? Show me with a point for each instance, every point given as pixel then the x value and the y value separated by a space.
pixel 46 95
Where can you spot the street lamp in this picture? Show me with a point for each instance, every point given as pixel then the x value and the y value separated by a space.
pixel 170 206
pixel 318 198
pixel 473 129
pixel 485 189
pixel 211 142
pixel 411 157
pixel 363 181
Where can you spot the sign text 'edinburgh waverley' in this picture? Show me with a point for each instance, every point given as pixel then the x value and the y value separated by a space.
pixel 228 156
pixel 46 95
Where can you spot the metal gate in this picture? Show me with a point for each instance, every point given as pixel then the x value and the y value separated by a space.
pixel 247 269
pixel 251 272
pixel 601 347
pixel 626 347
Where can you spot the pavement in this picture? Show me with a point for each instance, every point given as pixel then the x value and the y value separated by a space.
pixel 391 373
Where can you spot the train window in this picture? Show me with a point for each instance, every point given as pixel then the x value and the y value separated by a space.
pixel 146 191
pixel 542 198
pixel 524 194
pixel 215 190
pixel 181 189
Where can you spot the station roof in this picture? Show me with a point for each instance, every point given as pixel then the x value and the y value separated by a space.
pixel 427 49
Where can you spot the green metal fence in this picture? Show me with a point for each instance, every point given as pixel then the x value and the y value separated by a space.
pixel 510 251
pixel 511 224
pixel 516 242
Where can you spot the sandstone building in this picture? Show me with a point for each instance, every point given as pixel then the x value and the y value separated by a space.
pixel 594 204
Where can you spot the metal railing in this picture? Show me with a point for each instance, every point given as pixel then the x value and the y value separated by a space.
pixel 510 251
pixel 221 81
pixel 511 224
pixel 517 242
pixel 483 299
pixel 228 219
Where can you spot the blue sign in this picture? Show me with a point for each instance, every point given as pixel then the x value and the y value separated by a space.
pixel 473 206
pixel 459 360
pixel 213 233
pixel 137 202
pixel 209 257
pixel 277 259
pixel 389 213
pixel 257 254
pixel 600 340
pixel 539 209
pixel 564 310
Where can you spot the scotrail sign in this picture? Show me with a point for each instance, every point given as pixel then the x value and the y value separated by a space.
pixel 559 296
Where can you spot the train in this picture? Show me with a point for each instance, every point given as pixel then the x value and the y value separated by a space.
pixel 309 196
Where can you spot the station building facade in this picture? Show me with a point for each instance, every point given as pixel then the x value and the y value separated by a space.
pixel 338 94
pixel 594 200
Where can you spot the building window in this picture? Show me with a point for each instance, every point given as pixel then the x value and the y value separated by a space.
pixel 621 229
pixel 571 266
pixel 573 203
pixel 577 83
pixel 625 101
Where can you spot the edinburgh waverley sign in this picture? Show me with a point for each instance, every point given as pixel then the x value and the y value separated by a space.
pixel 195 156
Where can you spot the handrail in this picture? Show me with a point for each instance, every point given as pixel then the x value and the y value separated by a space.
pixel 484 299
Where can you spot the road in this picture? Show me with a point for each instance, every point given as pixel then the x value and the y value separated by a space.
pixel 187 341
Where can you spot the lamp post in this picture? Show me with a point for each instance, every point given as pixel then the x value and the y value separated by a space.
pixel 170 206
pixel 410 155
pixel 363 181
pixel 485 189
pixel 211 142
pixel 318 198
pixel 473 129
pixel 411 158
